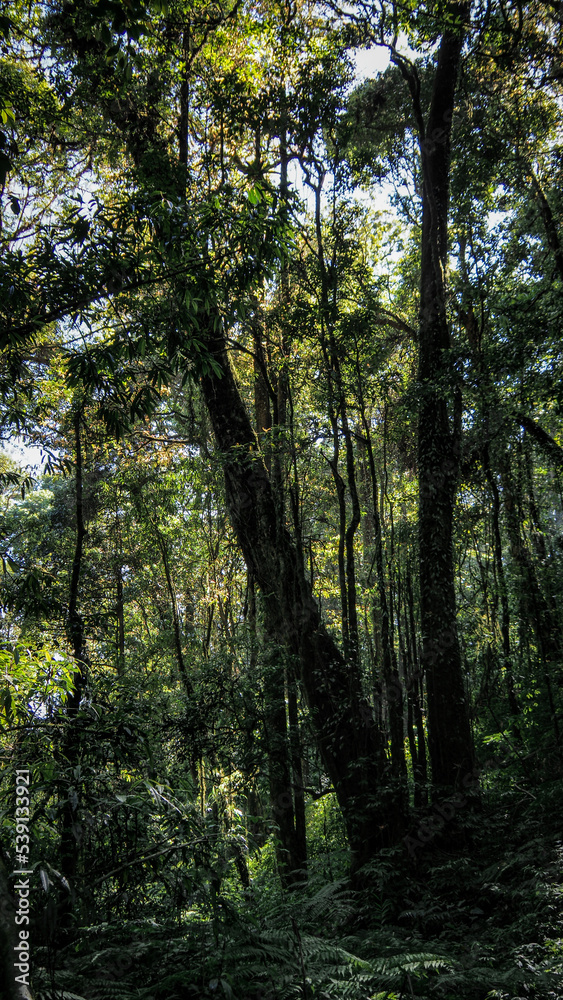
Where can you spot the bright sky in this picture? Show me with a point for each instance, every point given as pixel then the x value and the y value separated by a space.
pixel 370 62
pixel 27 456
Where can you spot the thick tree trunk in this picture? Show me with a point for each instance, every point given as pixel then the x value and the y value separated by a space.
pixel 348 741
pixel 449 733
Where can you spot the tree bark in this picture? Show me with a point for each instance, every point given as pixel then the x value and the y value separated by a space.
pixel 534 607
pixel 75 622
pixel 392 689
pixel 69 753
pixel 296 752
pixel 348 741
pixel 286 799
pixel 503 589
pixel 449 732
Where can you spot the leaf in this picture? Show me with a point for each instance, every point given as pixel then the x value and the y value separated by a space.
pixel 45 880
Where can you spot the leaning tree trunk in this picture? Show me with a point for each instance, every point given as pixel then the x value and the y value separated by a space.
pixel 349 743
pixel 449 733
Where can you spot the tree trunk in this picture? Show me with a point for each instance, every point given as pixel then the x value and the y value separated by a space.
pixel 69 753
pixel 501 577
pixel 449 732
pixel 120 637
pixel 297 772
pixel 348 741
pixel 279 766
pixel 288 816
pixel 533 605
pixel 415 690
pixel 392 692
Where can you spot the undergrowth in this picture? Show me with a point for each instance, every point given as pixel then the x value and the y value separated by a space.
pixel 477 923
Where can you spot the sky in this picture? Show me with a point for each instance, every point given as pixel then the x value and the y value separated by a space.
pixel 25 455
pixel 370 62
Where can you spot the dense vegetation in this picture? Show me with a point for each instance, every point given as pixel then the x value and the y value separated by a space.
pixel 281 638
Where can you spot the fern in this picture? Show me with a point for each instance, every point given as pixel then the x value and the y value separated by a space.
pixel 57 995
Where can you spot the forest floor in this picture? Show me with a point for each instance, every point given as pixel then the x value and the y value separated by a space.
pixel 477 916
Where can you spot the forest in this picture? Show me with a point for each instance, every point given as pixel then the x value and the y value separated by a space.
pixel 281 523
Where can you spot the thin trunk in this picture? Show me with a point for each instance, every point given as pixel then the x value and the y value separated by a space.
pixel 416 690
pixel 75 622
pixel 391 681
pixel 501 577
pixel 120 621
pixel 296 752
pixel 279 765
pixel 341 500
pixel 70 748
pixel 193 722
pixel 256 824
pixel 262 410
pixel 176 627
pixel 337 407
pixel 353 633
pixel 184 126
pixel 533 605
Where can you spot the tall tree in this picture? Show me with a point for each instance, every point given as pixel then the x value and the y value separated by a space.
pixel 439 420
pixel 432 96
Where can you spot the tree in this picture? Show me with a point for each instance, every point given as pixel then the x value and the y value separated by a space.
pixel 183 258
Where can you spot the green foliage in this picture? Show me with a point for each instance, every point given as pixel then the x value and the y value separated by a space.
pixel 146 159
pixel 460 935
pixel 34 682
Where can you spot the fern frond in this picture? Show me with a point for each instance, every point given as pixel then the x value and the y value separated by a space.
pixel 58 995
